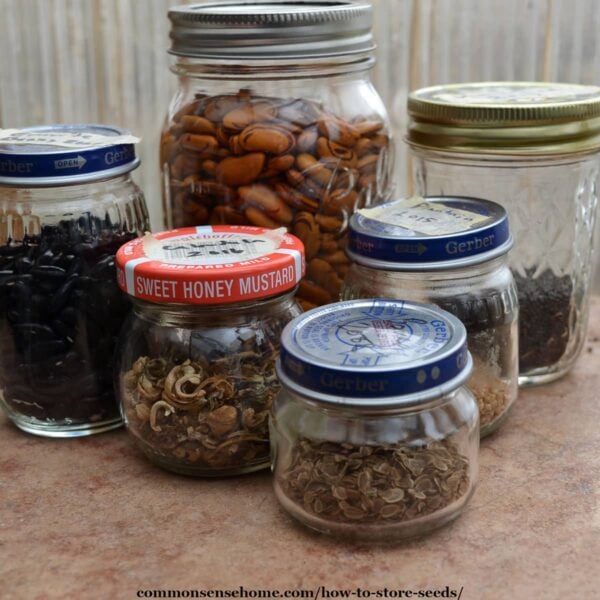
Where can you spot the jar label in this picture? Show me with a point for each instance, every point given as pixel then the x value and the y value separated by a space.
pixel 383 333
pixel 211 264
pixel 373 348
pixel 212 247
pixel 424 217
pixel 63 139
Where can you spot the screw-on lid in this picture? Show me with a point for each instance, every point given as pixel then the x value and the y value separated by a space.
pixel 433 233
pixel 271 29
pixel 502 117
pixel 374 353
pixel 212 264
pixel 64 154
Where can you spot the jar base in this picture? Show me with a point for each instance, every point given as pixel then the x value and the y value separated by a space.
pixel 44 429
pixel 193 471
pixel 542 376
pixel 387 531
pixel 494 425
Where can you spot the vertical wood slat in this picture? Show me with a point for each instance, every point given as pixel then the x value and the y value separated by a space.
pixel 106 60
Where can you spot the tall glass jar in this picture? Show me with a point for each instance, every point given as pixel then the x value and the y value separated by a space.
pixel 535 149
pixel 452 252
pixel 374 435
pixel 67 202
pixel 276 123
pixel 197 356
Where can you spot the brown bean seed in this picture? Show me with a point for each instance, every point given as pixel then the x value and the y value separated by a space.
pixel 240 170
pixel 265 138
pixel 194 124
pixel 366 128
pixel 258 218
pixel 241 117
pixel 338 131
pixel 306 228
pixel 198 143
pixel 268 201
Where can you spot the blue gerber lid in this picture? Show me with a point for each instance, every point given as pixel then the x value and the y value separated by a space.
pixel 64 154
pixel 432 233
pixel 374 353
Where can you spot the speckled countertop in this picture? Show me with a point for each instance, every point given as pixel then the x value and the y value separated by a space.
pixel 91 518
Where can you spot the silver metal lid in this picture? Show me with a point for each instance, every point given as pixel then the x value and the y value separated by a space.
pixel 271 29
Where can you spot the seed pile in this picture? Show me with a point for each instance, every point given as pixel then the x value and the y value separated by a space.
pixel 60 314
pixel 202 415
pixel 271 162
pixel 349 483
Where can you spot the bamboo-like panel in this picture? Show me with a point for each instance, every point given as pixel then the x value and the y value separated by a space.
pixel 106 60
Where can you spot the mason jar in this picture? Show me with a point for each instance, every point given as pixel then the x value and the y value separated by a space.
pixel 374 434
pixel 275 123
pixel 452 252
pixel 534 148
pixel 67 202
pixel 197 356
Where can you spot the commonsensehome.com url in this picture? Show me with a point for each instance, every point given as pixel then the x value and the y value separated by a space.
pixel 319 593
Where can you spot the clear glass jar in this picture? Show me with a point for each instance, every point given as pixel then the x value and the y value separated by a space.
pixel 476 287
pixel 276 123
pixel 374 435
pixel 60 308
pixel 535 152
pixel 197 356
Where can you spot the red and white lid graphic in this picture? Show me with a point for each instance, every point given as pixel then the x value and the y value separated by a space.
pixel 212 264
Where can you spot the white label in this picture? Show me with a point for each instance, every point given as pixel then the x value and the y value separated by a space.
pixel 427 218
pixel 63 139
pixel 213 248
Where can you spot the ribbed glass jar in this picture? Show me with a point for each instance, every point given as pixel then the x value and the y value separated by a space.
pixel 60 308
pixel 534 149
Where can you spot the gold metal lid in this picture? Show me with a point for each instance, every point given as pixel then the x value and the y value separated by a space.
pixel 522 118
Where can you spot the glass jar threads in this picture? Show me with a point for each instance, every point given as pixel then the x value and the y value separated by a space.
pixel 374 434
pixel 276 123
pixel 451 252
pixel 197 362
pixel 535 149
pixel 67 202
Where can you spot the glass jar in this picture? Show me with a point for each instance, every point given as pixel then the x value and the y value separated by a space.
pixel 451 252
pixel 534 149
pixel 374 435
pixel 67 202
pixel 276 123
pixel 197 357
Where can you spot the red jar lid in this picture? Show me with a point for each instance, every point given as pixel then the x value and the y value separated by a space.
pixel 209 265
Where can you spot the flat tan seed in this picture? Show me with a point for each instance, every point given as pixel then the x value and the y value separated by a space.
pixel 338 131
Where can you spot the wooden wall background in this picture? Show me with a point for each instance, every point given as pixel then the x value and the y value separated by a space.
pixel 106 60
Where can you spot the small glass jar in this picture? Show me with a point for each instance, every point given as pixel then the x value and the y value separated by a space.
pixel 451 252
pixel 67 202
pixel 374 435
pixel 197 356
pixel 535 149
pixel 276 123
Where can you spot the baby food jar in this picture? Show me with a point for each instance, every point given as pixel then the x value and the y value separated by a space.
pixel 374 434
pixel 276 123
pixel 535 149
pixel 197 357
pixel 451 252
pixel 67 202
